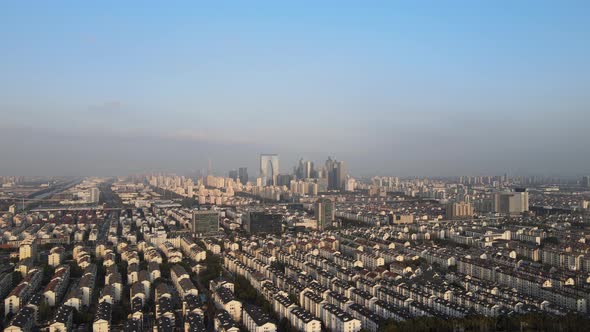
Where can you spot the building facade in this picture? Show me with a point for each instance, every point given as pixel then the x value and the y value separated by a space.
pixel 269 169
pixel 205 222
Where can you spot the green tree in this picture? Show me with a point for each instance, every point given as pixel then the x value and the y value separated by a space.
pixel 44 311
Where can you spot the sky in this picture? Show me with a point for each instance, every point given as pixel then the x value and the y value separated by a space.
pixel 402 88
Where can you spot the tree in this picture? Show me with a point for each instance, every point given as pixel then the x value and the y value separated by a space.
pixel 44 311
pixel 293 298
pixel 16 278
pixel 212 269
pixel 279 265
pixel 552 240
pixel 285 326
pixel 82 317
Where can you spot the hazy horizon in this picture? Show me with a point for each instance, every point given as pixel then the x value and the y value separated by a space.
pixel 407 89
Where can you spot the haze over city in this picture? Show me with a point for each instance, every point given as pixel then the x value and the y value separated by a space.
pixel 427 88
pixel 295 166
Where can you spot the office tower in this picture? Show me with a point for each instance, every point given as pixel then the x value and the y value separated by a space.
pixel 243 175
pixel 269 169
pixel 284 179
pixel 324 213
pixel 304 170
pixel 586 181
pixel 330 175
pixel 94 195
pixel 308 170
pixel 459 210
pixel 320 173
pixel 233 174
pixel 262 222
pixel 336 174
pixel 299 172
pixel 205 222
pixel 513 202
pixel 340 176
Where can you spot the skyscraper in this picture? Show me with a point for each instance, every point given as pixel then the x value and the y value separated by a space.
pixel 269 169
pixel 340 176
pixel 336 173
pixel 233 174
pixel 284 179
pixel 324 213
pixel 308 170
pixel 586 182
pixel 243 175
pixel 299 169
pixel 330 175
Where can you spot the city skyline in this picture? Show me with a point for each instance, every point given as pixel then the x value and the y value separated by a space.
pixel 252 163
pixel 405 89
pixel 374 255
pixel 311 166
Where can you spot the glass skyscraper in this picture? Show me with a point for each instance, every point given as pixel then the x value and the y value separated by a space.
pixel 269 169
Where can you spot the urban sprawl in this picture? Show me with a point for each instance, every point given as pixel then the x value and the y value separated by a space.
pixel 312 249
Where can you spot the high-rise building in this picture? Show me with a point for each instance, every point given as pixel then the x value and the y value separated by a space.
pixel 205 222
pixel 320 173
pixel 459 210
pixel 330 175
pixel 298 171
pixel 308 171
pixel 513 202
pixel 269 169
pixel 336 173
pixel 284 179
pixel 94 195
pixel 324 213
pixel 586 181
pixel 262 222
pixel 233 174
pixel 339 175
pixel 243 175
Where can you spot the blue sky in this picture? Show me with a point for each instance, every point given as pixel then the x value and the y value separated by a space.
pixel 400 88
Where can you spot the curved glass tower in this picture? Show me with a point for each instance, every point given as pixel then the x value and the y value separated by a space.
pixel 269 169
